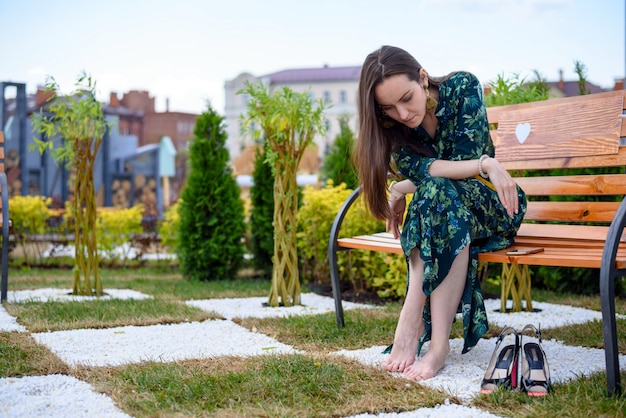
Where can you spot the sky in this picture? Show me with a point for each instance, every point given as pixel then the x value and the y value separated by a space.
pixel 183 51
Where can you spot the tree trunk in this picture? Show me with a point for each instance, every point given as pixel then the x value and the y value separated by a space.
pixel 84 205
pixel 285 274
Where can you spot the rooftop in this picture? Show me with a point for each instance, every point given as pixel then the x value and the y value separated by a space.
pixel 325 73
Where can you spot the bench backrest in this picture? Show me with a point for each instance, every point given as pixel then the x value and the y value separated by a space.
pixel 574 132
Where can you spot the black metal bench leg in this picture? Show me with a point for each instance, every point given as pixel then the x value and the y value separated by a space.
pixel 609 331
pixel 608 273
pixel 334 279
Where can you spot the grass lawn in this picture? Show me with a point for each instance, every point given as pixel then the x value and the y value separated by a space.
pixel 308 384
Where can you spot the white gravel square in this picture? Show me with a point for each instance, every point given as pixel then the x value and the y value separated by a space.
pixel 312 304
pixel 54 396
pixel 134 344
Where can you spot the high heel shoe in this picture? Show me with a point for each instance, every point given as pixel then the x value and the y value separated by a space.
pixel 503 367
pixel 535 380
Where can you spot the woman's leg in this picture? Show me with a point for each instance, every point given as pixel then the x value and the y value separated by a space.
pixel 411 323
pixel 444 302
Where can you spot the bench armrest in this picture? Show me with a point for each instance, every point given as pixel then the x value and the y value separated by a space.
pixel 332 254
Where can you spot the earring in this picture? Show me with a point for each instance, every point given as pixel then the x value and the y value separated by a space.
pixel 386 121
pixel 431 103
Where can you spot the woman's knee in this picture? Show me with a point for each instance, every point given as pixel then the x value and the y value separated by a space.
pixel 438 192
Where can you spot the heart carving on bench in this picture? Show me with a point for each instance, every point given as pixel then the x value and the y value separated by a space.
pixel 522 130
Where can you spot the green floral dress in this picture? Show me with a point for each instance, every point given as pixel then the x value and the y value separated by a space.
pixel 446 215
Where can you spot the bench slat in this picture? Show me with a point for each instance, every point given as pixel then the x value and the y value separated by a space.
pixel 613 160
pixel 576 232
pixel 571 211
pixel 366 244
pixel 587 185
pixel 555 258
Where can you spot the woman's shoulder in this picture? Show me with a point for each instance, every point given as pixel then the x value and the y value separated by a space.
pixel 460 85
pixel 462 78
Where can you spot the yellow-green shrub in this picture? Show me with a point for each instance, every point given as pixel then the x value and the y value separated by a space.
pixel 365 270
pixel 168 227
pixel 29 214
pixel 393 283
pixel 115 230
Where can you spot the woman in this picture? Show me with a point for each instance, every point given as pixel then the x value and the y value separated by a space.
pixel 433 132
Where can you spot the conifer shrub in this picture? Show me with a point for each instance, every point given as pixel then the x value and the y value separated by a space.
pixel 338 165
pixel 210 239
pixel 262 214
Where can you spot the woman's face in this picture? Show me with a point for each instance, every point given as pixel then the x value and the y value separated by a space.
pixel 402 99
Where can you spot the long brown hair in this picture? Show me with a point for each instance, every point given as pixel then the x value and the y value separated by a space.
pixel 378 134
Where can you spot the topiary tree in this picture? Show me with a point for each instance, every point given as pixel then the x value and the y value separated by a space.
pixel 338 165
pixel 262 212
pixel 211 210
pixel 78 119
pixel 289 121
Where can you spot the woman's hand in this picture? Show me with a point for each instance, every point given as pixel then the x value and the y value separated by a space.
pixel 396 209
pixel 504 184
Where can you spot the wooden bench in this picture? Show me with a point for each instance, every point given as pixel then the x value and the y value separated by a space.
pixel 576 132
pixel 5 224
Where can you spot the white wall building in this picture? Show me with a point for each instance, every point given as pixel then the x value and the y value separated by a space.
pixel 338 86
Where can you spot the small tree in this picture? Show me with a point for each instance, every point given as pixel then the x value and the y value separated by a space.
pixel 289 121
pixel 79 121
pixel 338 165
pixel 581 71
pixel 211 210
pixel 262 212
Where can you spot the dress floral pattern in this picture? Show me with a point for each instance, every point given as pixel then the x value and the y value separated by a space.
pixel 447 215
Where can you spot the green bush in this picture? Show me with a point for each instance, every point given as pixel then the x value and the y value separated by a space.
pixel 505 91
pixel 29 215
pixel 338 165
pixel 115 229
pixel 168 228
pixel 364 270
pixel 262 214
pixel 211 211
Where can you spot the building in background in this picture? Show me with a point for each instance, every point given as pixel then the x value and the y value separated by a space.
pixel 136 114
pixel 563 88
pixel 334 85
pixel 127 168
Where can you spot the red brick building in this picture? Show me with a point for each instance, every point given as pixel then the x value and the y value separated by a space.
pixel 137 116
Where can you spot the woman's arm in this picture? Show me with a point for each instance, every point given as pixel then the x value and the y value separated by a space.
pixel 397 204
pixel 455 170
pixel 491 168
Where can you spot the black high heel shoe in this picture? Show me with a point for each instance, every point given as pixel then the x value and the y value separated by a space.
pixel 535 379
pixel 503 367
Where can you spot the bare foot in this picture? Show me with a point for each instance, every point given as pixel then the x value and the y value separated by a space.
pixel 428 366
pixel 404 347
